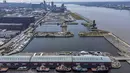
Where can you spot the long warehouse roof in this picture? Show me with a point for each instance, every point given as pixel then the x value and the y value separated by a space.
pixel 90 58
pixel 14 58
pixel 51 59
pixel 87 58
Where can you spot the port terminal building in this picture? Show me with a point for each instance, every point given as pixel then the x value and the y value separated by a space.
pixel 52 61
pixel 16 22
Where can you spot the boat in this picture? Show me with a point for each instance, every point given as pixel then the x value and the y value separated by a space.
pixel 63 68
pixel 23 68
pixel 94 69
pixel 79 69
pixel 100 69
pixel 42 69
pixel 4 69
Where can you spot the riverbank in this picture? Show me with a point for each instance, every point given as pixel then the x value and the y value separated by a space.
pixel 77 17
pixel 106 18
pixel 121 45
pixel 117 8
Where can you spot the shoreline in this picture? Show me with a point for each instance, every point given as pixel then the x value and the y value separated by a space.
pixel 120 44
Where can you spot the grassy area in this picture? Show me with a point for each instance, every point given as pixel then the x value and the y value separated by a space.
pixel 93 33
pixel 73 23
pixel 87 24
pixel 76 16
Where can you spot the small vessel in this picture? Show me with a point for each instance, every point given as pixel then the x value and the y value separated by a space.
pixel 79 69
pixel 100 69
pixel 63 68
pixel 42 69
pixel 94 69
pixel 3 69
pixel 23 68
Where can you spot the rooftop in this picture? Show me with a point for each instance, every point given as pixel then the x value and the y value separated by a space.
pixel 17 15
pixel 10 23
pixel 54 58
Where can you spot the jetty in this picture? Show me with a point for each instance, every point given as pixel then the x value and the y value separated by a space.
pixel 53 34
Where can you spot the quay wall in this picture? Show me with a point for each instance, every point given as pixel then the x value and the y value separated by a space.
pixel 118 43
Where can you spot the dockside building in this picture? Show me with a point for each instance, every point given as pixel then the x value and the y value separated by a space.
pixel 52 61
pixel 16 22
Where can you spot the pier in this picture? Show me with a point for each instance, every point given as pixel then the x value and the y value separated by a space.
pixel 59 23
pixel 122 46
pixel 94 33
pixel 53 34
pixel 122 58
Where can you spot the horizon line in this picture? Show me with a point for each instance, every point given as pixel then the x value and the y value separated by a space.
pixel 67 2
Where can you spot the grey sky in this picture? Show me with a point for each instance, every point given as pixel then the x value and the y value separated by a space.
pixel 59 0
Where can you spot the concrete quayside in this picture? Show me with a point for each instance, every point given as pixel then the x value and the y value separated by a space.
pixel 53 34
pixel 122 46
pixel 115 63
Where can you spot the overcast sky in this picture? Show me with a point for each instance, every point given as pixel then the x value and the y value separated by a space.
pixel 59 0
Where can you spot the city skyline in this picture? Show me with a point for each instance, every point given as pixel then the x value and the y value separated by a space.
pixel 37 1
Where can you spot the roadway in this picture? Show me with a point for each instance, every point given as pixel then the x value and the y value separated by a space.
pixel 13 39
pixel 22 33
pixel 38 21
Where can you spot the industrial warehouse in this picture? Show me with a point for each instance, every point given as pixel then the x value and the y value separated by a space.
pixel 51 61
pixel 16 22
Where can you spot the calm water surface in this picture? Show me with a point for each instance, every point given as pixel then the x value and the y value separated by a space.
pixel 124 69
pixel 116 21
pixel 75 43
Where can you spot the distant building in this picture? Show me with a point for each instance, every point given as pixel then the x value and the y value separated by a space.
pixel 16 22
pixel 45 5
pixel 4 1
pixel 12 26
pixel 14 5
pixel 52 4
pixel 56 9
pixel 37 5
pixel 63 8
pixel 24 5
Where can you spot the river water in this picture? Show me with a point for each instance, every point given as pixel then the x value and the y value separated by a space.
pixel 115 21
pixel 75 43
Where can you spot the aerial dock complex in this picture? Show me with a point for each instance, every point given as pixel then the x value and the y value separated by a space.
pixel 18 26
